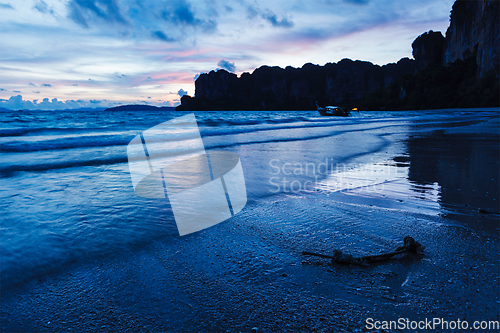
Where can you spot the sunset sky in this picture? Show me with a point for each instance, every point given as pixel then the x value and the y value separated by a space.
pixel 57 54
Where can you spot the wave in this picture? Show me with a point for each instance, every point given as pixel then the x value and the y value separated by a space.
pixel 208 122
pixel 108 140
pixel 119 155
pixel 74 142
pixel 24 131
pixel 65 143
pixel 15 121
pixel 79 141
pixel 8 170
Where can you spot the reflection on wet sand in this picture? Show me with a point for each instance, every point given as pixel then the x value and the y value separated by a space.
pixel 384 184
pixel 466 167
pixel 436 173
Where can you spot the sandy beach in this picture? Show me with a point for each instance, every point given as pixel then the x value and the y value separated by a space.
pixel 433 178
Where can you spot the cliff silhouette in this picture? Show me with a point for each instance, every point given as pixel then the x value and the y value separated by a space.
pixel 459 70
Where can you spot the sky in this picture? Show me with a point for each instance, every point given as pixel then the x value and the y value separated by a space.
pixel 64 54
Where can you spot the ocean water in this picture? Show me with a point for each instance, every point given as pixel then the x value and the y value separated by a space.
pixel 66 194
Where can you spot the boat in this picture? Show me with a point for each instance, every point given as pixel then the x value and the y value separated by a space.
pixel 332 111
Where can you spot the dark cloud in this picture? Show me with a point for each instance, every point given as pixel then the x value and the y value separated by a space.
pixel 32 84
pixel 2 89
pixel 181 13
pixel 94 101
pixel 224 64
pixel 182 92
pixel 16 91
pixel 168 21
pixel 185 15
pixel 6 6
pixel 46 85
pixel 161 35
pixel 273 19
pixel 83 11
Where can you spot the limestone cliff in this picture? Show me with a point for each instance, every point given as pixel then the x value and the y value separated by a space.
pixel 275 88
pixel 428 49
pixel 474 31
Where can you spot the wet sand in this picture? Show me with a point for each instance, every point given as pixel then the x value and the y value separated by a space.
pixel 248 272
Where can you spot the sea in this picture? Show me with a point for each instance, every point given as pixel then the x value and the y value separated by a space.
pixel 66 194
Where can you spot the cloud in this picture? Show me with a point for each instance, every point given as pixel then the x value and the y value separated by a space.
pixel 46 85
pixel 42 7
pixel 168 103
pixel 2 89
pixel 161 35
pixel 180 13
pixel 17 103
pixel 6 6
pixel 368 16
pixel 252 12
pixel 268 15
pixel 275 22
pixel 14 102
pixel 32 84
pixel 224 64
pixel 83 11
pixel 358 2
pixel 182 92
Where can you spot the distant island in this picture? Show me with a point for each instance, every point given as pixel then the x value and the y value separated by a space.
pixel 135 107
pixel 459 70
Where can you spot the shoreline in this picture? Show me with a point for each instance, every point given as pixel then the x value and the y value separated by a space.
pixel 255 276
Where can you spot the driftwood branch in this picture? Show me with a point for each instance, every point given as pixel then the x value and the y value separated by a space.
pixel 410 246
